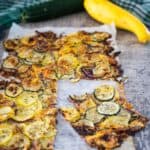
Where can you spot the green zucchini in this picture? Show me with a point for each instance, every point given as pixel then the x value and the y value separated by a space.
pixel 108 108
pixel 104 93
pixel 20 11
pixel 13 90
pixel 78 98
pixel 93 115
pixel 44 9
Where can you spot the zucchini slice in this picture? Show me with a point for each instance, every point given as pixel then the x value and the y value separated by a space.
pixel 93 115
pixel 35 58
pixel 13 90
pixel 23 68
pixel 31 84
pixel 104 93
pixel 11 45
pixel 108 108
pixel 78 98
pixel 27 98
pixel 5 113
pixel 10 62
pixel 5 133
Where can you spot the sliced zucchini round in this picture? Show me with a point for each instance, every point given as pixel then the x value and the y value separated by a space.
pixel 13 90
pixel 78 98
pixel 92 115
pixel 5 113
pixel 6 133
pixel 104 93
pixel 27 98
pixel 10 44
pixel 10 62
pixel 23 68
pixel 48 59
pixel 30 84
pixel 35 58
pixel 35 130
pixel 19 141
pixel 108 108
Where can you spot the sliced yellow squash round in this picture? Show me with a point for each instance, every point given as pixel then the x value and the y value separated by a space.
pixel 31 84
pixel 19 141
pixel 70 114
pixel 6 112
pixel 27 98
pixel 35 130
pixel 104 93
pixel 13 90
pixel 26 113
pixel 66 65
pixel 6 133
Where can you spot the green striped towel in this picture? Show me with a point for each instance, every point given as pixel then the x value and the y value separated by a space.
pixel 37 10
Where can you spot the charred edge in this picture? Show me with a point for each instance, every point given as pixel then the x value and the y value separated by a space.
pixel 116 54
pixel 84 130
pixel 48 34
pixel 87 71
pixel 8 73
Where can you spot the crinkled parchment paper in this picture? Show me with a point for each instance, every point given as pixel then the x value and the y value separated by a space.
pixel 67 138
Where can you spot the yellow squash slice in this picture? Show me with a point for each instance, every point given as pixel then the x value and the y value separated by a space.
pixel 5 113
pixel 27 98
pixel 6 133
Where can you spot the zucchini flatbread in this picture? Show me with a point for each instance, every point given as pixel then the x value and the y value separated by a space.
pixel 28 96
pixel 104 125
pixel 28 88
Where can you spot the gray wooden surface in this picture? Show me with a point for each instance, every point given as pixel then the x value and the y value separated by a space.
pixel 135 60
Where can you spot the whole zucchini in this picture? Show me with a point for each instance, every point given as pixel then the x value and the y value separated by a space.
pixel 35 10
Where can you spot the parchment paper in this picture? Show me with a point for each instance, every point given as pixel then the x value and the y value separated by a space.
pixel 67 138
